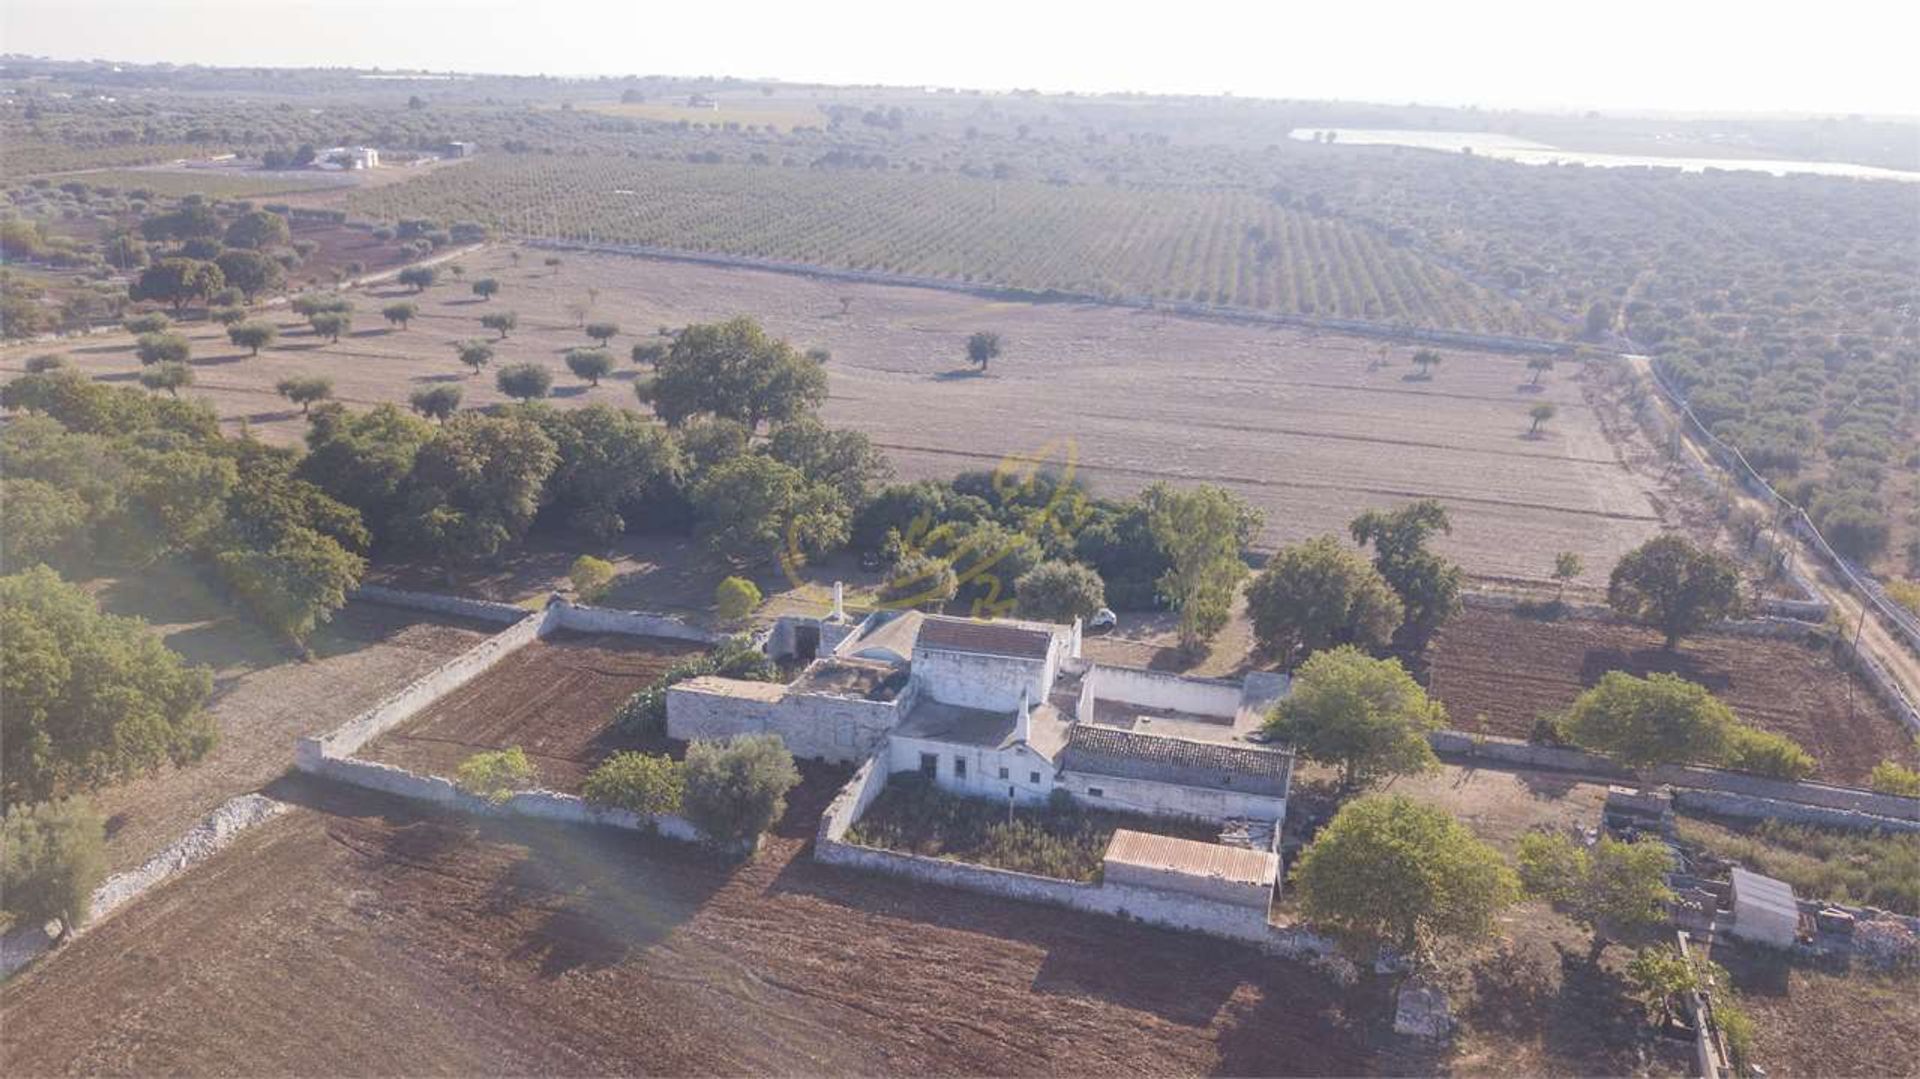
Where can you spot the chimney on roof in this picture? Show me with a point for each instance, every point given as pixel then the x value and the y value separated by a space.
pixel 1023 719
pixel 839 595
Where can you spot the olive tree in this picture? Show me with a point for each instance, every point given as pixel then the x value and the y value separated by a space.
pixel 1389 871
pixel 736 789
pixel 1367 716
pixel 1674 586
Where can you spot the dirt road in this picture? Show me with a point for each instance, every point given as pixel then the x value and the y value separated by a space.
pixel 1875 638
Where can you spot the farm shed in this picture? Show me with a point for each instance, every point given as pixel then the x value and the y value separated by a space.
pixel 1764 910
pixel 1209 870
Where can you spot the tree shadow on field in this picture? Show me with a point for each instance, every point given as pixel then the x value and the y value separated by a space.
pixel 1294 1021
pixel 221 361
pixel 440 378
pixel 571 391
pixel 118 376
pixel 1645 661
pixel 957 374
pixel 1547 786
pixel 272 417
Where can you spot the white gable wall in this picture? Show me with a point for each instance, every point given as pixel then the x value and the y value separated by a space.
pixel 983 765
pixel 989 683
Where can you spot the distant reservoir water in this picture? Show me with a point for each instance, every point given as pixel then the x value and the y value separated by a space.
pixel 1510 148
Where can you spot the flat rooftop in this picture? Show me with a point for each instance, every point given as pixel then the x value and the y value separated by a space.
pixel 936 721
pixel 1141 719
pixel 848 678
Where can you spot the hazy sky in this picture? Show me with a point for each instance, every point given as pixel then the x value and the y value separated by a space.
pixel 1754 55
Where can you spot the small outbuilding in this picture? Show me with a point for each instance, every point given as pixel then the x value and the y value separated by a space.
pixel 1208 870
pixel 1764 910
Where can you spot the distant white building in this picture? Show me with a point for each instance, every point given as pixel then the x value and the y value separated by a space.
pixel 347 157
pixel 1008 710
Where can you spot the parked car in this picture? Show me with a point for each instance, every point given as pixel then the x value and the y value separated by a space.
pixel 1103 620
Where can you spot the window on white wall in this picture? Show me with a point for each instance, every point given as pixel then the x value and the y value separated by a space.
pixel 1096 792
pixel 959 767
pixel 1003 772
pixel 1033 778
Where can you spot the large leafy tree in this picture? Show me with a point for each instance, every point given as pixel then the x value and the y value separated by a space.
pixel 178 281
pixel 736 371
pixel 735 790
pixel 846 460
pixel 1366 715
pixel 90 697
pixel 475 487
pixel 288 550
pixel 1203 531
pixel 1060 592
pixel 1319 594
pixel 1674 586
pixel 1613 888
pixel 258 230
pixel 1660 719
pixel 1388 871
pixel 608 460
pixel 1428 585
pixel 363 459
pixel 752 508
pixel 250 271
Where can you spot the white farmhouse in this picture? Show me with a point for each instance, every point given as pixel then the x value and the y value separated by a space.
pixel 1009 710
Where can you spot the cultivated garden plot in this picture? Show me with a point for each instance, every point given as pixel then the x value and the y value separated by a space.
pixel 1497 673
pixel 554 698
pixel 1314 428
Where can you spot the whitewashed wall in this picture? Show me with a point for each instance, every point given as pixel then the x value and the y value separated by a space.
pixel 1169 799
pixel 1155 689
pixel 582 619
pixel 983 768
pixel 484 610
pixel 990 683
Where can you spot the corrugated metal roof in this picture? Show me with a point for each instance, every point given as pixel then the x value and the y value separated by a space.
pixel 984 638
pixel 1146 850
pixel 1185 761
pixel 1752 889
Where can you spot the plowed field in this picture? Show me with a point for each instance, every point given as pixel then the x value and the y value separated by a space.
pixel 1498 672
pixel 553 698
pixel 363 936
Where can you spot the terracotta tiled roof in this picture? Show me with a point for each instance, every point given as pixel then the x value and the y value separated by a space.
pixel 984 638
pixel 1183 761
pixel 1149 851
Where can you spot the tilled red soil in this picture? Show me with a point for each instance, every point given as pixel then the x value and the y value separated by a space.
pixel 554 698
pixel 363 935
pixel 1497 673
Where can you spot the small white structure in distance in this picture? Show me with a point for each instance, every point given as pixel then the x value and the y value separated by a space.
pixel 1764 910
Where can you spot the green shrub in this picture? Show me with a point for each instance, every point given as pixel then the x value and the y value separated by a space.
pixel 52 862
pixel 1890 778
pixel 496 775
pixel 1828 864
pixel 1767 754
pixel 736 789
pixel 647 784
pixel 735 598
pixel 591 577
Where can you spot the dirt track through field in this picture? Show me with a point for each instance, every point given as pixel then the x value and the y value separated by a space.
pixel 364 936
pixel 1314 428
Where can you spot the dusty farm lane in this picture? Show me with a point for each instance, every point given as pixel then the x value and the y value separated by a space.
pixel 263 698
pixel 360 935
pixel 1312 427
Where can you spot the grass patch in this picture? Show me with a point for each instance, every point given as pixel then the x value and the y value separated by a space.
pixel 1868 868
pixel 1059 839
